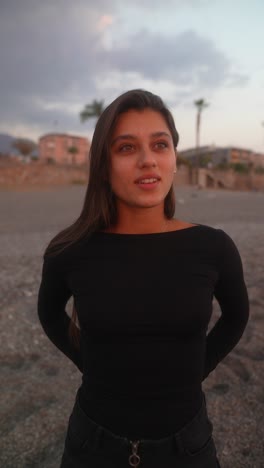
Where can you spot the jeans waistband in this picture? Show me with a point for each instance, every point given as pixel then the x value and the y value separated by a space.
pixel 194 434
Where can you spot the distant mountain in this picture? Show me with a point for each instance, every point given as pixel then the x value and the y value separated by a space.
pixel 6 145
pixel 6 142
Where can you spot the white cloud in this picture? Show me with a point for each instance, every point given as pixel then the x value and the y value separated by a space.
pixel 58 55
pixel 104 22
pixel 70 108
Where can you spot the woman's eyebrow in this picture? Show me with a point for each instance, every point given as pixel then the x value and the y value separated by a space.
pixel 159 134
pixel 128 136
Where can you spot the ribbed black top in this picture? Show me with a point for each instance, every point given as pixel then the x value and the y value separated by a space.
pixel 144 302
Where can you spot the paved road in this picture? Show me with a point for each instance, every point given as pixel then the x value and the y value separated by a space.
pixel 38 383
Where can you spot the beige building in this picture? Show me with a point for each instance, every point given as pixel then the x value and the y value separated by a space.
pixel 62 148
pixel 213 156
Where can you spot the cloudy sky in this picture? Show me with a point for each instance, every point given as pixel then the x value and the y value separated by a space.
pixel 58 55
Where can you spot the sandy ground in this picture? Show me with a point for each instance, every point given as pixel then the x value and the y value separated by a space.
pixel 38 383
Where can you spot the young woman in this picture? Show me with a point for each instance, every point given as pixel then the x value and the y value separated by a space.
pixel 143 284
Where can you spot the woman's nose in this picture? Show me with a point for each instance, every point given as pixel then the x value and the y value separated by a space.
pixel 147 158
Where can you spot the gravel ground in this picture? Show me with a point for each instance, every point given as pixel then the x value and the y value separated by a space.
pixel 38 383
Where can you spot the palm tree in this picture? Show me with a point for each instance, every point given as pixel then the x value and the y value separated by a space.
pixel 94 109
pixel 73 150
pixel 200 104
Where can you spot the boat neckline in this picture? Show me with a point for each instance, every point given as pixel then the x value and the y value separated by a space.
pixel 148 234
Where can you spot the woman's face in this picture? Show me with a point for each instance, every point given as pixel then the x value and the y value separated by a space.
pixel 142 159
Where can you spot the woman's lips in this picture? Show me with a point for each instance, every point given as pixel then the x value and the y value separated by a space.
pixel 148 182
pixel 147 179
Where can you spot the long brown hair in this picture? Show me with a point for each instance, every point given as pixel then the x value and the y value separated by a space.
pixel 99 209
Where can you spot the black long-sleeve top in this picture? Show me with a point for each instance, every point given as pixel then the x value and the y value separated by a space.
pixel 144 302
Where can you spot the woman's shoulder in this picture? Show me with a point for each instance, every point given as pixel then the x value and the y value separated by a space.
pixel 203 236
pixel 216 240
pixel 196 228
pixel 60 255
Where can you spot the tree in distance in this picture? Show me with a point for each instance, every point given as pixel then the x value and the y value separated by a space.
pixel 24 146
pixel 95 109
pixel 200 104
pixel 73 150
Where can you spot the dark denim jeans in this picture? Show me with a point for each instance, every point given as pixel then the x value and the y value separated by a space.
pixel 89 445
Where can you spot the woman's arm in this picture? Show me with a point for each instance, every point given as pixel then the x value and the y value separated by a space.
pixel 231 293
pixel 52 299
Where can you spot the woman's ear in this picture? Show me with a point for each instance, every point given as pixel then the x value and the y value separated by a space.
pixel 175 169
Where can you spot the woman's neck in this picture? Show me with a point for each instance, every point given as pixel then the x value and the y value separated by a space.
pixel 140 221
pixel 145 222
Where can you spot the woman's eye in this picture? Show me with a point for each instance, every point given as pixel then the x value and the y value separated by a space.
pixel 125 148
pixel 161 145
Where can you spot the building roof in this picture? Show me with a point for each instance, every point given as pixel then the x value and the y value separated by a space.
pixel 207 149
pixel 63 135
